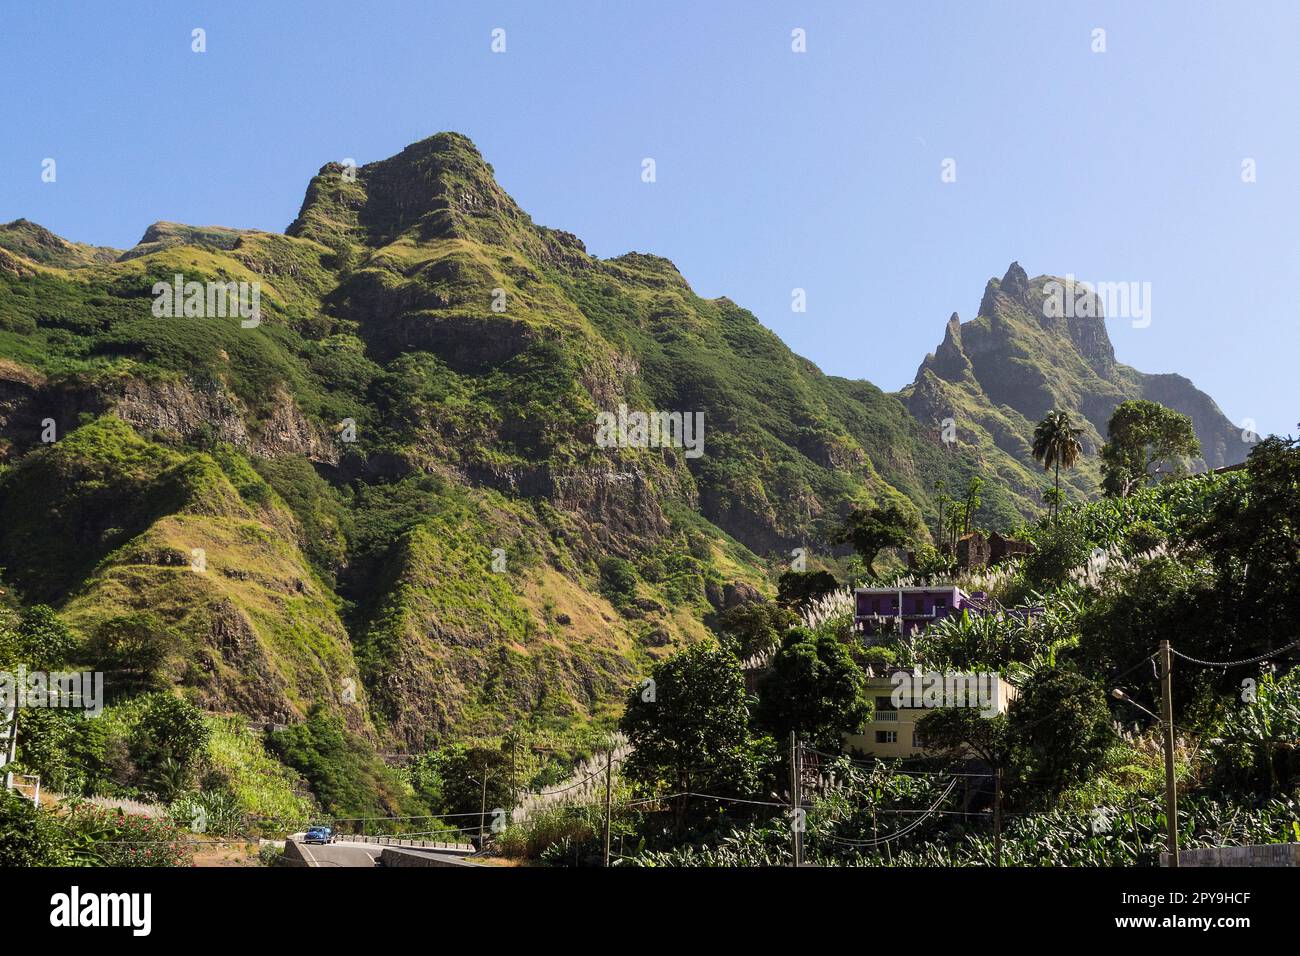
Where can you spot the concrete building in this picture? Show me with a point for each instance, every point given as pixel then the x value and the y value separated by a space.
pixel 892 730
pixel 908 610
pixel 1003 548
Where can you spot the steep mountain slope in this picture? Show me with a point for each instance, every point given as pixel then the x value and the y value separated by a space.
pixel 126 526
pixel 401 477
pixel 1000 373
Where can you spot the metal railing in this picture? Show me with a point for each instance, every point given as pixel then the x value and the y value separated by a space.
pixel 397 840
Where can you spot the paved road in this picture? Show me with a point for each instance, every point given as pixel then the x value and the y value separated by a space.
pixel 341 853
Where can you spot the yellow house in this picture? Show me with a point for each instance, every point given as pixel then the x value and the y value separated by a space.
pixel 892 730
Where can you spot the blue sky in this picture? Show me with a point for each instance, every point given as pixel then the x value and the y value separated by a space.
pixel 775 170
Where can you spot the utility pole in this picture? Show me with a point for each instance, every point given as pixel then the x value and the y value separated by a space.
pixel 997 815
pixel 609 789
pixel 482 811
pixel 513 741
pixel 1167 710
pixel 9 744
pixel 796 803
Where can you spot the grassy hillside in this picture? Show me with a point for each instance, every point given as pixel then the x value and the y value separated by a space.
pixel 418 405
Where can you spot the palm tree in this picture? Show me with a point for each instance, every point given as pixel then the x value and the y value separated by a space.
pixel 1056 443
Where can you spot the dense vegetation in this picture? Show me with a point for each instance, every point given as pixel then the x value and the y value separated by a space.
pixel 1184 560
pixel 345 561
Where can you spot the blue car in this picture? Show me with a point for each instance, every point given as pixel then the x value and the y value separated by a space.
pixel 319 835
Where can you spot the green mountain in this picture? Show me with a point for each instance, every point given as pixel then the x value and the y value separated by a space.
pixel 996 376
pixel 393 472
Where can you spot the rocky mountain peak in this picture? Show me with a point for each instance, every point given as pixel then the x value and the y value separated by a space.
pixel 1013 290
pixel 1015 282
pixel 948 361
pixel 1027 353
pixel 437 188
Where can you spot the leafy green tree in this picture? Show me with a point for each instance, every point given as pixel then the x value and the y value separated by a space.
pixel 689 726
pixel 67 749
pixel 964 730
pixel 1142 536
pixel 1146 441
pixel 1162 599
pixel 1056 443
pixel 795 587
pixel 1058 550
pixel 451 779
pixel 167 741
pixel 137 646
pixel 1060 729
pixel 870 530
pixel 972 502
pixel 814 688
pixel 29 836
pixel 1253 540
pixel 348 778
pixel 34 637
pixel 755 627
pixel 931 562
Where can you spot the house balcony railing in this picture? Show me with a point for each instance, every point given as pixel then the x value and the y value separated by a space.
pixel 886 715
pixel 878 618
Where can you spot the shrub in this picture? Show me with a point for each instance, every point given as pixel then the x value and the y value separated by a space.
pixel 798 587
pixel 1143 536
pixel 103 837
pixel 878 658
pixel 29 836
pixel 166 742
pixel 931 562
pixel 1058 551
pixel 557 835
pixel 268 854
pixel 617 580
pixel 343 770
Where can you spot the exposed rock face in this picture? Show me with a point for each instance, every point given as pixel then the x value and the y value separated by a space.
pixel 18 388
pixel 949 361
pixel 239 676
pixel 738 593
pixel 1222 443
pixel 438 188
pixel 1022 357
pixel 476 350
pixel 180 410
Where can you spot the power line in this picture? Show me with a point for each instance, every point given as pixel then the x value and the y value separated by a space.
pixel 1114 677
pixel 910 773
pixel 901 833
pixel 1249 660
